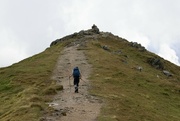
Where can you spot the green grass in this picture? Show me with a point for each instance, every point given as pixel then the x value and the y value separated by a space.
pixel 25 86
pixel 131 95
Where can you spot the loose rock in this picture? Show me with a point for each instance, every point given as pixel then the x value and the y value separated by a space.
pixel 167 73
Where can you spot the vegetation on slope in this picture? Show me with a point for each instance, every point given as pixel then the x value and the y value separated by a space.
pixel 25 86
pixel 130 94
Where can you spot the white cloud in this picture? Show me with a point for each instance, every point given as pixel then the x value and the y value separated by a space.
pixel 10 51
pixel 75 15
pixel 33 24
pixel 150 23
pixel 11 55
pixel 168 53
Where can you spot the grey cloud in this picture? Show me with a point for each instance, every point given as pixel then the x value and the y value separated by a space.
pixel 35 23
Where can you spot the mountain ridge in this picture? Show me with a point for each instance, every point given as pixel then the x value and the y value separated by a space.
pixel 94 34
pixel 134 83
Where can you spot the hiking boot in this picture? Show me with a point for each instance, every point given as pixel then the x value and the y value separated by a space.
pixel 76 89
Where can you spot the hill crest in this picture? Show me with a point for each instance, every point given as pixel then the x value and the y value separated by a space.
pixel 135 83
pixel 94 34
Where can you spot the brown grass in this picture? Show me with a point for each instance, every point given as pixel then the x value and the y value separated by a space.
pixel 25 86
pixel 128 93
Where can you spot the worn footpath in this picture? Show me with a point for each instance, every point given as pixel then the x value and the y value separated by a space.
pixel 70 106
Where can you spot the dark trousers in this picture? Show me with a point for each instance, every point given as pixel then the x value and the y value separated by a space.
pixel 76 83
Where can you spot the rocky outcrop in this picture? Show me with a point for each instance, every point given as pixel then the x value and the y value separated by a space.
pixel 83 33
pixel 138 46
pixel 156 62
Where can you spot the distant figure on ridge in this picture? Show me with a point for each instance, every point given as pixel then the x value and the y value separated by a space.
pixel 77 76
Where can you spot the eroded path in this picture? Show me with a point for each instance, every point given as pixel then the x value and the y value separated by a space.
pixel 72 106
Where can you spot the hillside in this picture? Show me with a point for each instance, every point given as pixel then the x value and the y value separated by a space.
pixel 133 83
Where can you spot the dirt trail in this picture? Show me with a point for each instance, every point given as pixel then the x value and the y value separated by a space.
pixel 72 106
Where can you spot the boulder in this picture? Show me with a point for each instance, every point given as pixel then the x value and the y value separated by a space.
pixel 105 47
pixel 139 68
pixel 167 73
pixel 156 62
pixel 138 46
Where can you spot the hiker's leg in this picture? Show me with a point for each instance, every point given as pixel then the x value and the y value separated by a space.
pixel 74 81
pixel 76 84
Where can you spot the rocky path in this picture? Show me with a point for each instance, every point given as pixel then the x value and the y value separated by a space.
pixel 72 106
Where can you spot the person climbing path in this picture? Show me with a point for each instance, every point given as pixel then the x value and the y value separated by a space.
pixel 70 106
pixel 77 76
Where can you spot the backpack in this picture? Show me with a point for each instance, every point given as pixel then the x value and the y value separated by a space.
pixel 76 72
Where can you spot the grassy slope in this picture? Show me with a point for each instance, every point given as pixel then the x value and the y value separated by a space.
pixel 128 93
pixel 25 86
pixel 131 95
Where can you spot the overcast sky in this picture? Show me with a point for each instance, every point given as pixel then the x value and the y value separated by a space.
pixel 27 27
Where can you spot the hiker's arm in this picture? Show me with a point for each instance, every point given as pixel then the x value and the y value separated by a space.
pixel 71 75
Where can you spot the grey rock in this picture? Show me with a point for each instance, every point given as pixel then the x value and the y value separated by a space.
pixel 138 46
pixel 156 62
pixel 83 33
pixel 105 47
pixel 167 73
pixel 95 29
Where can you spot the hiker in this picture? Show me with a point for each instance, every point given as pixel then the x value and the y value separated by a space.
pixel 76 75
